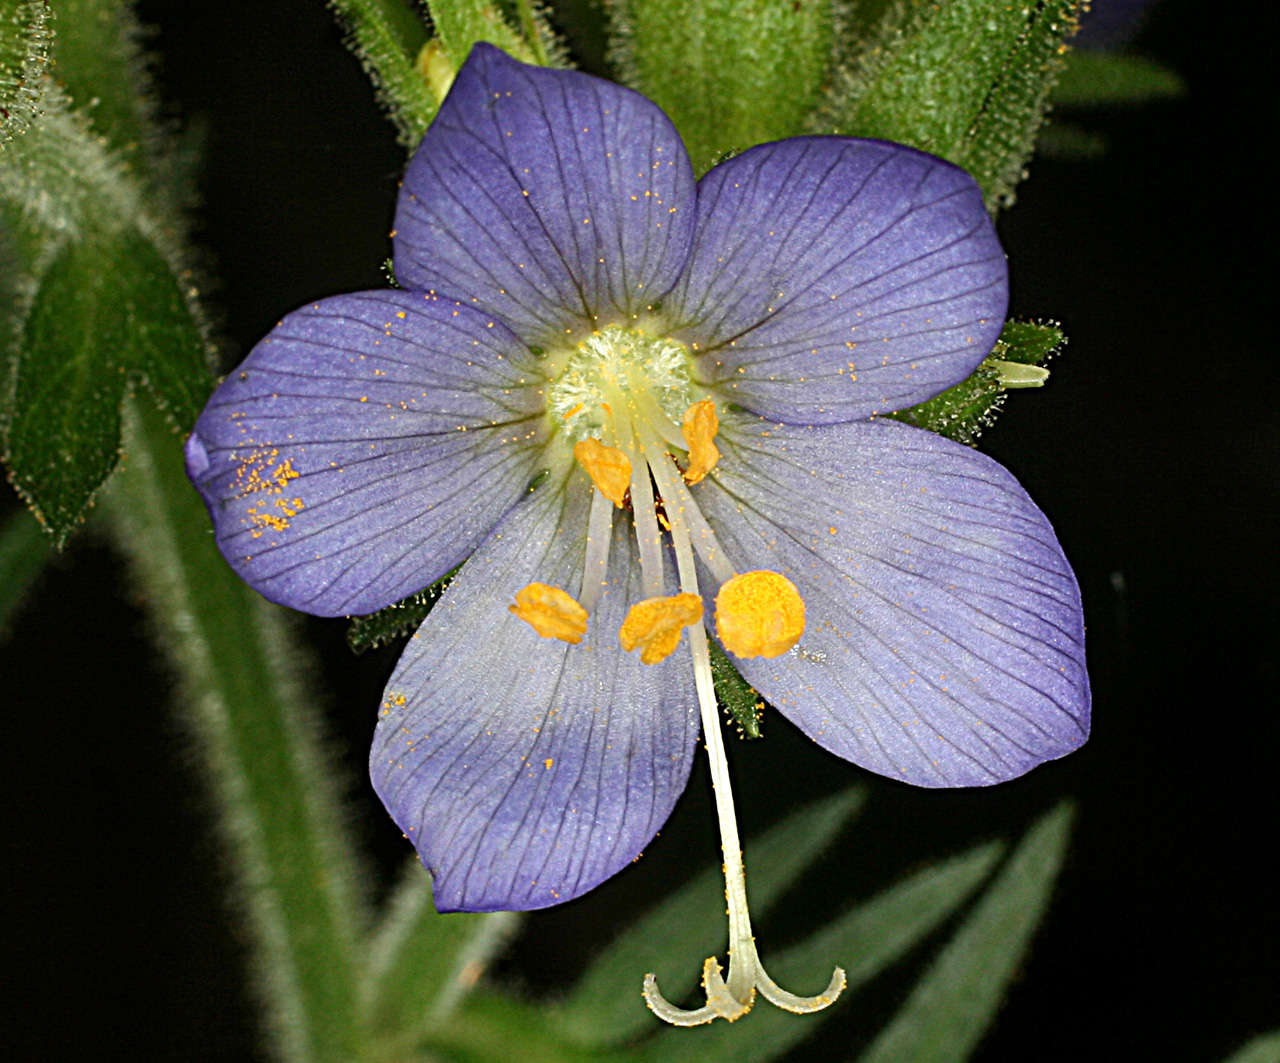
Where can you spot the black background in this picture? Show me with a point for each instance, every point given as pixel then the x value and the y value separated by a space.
pixel 1153 450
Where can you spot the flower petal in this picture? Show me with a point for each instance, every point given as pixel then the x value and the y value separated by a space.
pixel 547 196
pixel 944 642
pixel 365 447
pixel 834 278
pixel 525 770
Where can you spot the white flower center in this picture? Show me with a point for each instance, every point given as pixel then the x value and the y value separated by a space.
pixel 611 360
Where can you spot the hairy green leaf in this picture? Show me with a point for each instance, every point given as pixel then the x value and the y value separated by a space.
pixel 951 1007
pixel 730 73
pixel 1104 79
pixel 401 618
pixel 966 80
pixel 676 936
pixel 108 311
pixel 864 941
pixel 963 411
pixel 462 23
pixel 99 65
pixel 25 40
pixel 388 38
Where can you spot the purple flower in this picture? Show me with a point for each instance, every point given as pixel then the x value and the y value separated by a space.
pixel 635 403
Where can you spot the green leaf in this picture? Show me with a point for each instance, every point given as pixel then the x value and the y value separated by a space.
pixel 1003 136
pixel 100 67
pixel 676 937
pixel 389 39
pixel 420 963
pixel 951 1007
pixel 25 38
pixel 489 1028
pixel 966 80
pixel 108 311
pixel 256 730
pixel 738 698
pixel 462 23
pixel 864 941
pixel 730 73
pixel 1105 79
pixel 1264 1049
pixel 961 412
pixel 24 552
pixel 387 625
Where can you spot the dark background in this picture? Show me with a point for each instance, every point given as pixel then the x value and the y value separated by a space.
pixel 1153 450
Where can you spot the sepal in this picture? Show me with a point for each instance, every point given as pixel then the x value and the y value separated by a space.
pixel 402 618
pixel 963 411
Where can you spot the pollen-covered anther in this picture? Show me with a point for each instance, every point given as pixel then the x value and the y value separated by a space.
pixel 551 612
pixel 699 430
pixel 608 467
pixel 759 614
pixel 655 625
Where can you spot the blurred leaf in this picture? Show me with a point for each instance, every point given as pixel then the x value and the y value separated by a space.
pixel 1065 140
pixel 419 963
pixel 401 618
pixel 951 1007
pixel 961 412
pixel 489 1028
pixel 1103 79
pixel 108 310
pixel 388 38
pixel 730 73
pixel 25 39
pixel 864 941
pixel 674 939
pixel 1264 1049
pixel 24 552
pixel 738 698
pixel 967 80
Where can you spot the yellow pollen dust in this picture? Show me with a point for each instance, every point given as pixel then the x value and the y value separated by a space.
pixel 759 614
pixel 655 625
pixel 550 612
pixel 608 467
pixel 699 429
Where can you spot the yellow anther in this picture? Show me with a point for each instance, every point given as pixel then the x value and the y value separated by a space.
pixel 608 467
pixel 759 614
pixel 699 429
pixel 550 612
pixel 656 623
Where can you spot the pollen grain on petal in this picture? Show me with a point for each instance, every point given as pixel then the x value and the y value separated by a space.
pixel 759 614
pixel 699 430
pixel 551 612
pixel 608 467
pixel 655 625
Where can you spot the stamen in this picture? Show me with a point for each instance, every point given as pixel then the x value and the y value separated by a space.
pixel 655 625
pixel 699 430
pixel 550 612
pixel 595 566
pixel 648 537
pixel 759 614
pixel 680 499
pixel 608 467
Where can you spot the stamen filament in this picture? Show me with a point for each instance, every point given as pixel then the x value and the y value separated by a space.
pixel 733 998
pixel 680 500
pixel 595 566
